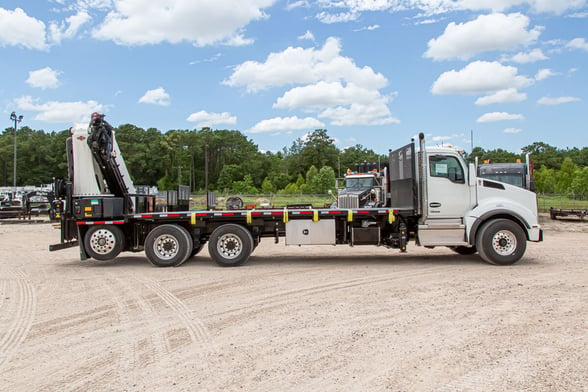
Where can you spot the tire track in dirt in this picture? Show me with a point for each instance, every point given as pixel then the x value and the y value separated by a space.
pixel 207 288
pixel 286 297
pixel 90 319
pixel 499 375
pixel 18 307
pixel 92 374
pixel 127 362
pixel 198 332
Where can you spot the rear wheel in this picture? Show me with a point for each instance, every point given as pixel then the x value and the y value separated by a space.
pixel 230 245
pixel 104 242
pixel 501 242
pixel 168 245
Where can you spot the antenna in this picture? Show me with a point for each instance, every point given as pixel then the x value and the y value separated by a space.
pixel 471 140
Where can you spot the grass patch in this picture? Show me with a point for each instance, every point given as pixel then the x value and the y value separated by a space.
pixel 544 202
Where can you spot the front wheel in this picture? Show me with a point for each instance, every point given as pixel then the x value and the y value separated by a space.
pixel 501 242
pixel 104 242
pixel 230 245
pixel 168 245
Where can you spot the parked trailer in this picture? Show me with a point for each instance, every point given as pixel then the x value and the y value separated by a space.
pixel 431 197
pixel 565 212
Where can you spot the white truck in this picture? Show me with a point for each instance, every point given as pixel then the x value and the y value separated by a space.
pixel 431 196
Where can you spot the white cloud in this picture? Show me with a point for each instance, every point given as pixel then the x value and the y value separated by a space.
pixel 539 6
pixel 485 33
pixel 156 96
pixel 556 6
pixel 343 105
pixel 376 113
pixel 43 78
pixel 513 130
pixel 139 22
pixel 296 65
pixel 69 28
pixel 502 96
pixel 325 94
pixel 544 73
pixel 210 59
pixel 19 29
pixel 499 116
pixel 480 77
pixel 281 124
pixel 579 15
pixel 526 57
pixel 557 101
pixel 206 119
pixel 60 112
pixel 307 36
pixel 331 85
pixel 369 28
pixel 434 7
pixel 578 43
pixel 329 18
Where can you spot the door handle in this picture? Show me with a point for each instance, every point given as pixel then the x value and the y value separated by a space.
pixel 435 204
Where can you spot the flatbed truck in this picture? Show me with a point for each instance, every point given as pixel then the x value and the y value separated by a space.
pixel 432 197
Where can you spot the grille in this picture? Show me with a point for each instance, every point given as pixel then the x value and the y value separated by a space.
pixel 348 201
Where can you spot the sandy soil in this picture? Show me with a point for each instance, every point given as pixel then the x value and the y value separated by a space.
pixel 295 319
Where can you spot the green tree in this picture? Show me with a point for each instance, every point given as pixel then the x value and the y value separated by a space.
pixel 323 181
pixel 228 175
pixel 566 175
pixel 580 182
pixel 545 180
pixel 144 157
pixel 357 154
pixel 319 150
pixel 267 186
pixel 543 154
pixel 245 186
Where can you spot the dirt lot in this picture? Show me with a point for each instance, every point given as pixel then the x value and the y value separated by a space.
pixel 295 319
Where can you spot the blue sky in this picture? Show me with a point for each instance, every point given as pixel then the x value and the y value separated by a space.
pixel 371 72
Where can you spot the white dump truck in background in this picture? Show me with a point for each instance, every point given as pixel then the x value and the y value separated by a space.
pixel 430 196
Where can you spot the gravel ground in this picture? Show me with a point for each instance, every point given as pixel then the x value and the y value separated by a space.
pixel 295 319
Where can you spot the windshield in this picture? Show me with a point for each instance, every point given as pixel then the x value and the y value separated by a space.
pixel 359 182
pixel 512 179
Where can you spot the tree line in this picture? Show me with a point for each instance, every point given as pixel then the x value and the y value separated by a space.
pixel 228 161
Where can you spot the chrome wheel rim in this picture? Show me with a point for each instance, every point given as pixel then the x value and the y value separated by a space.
pixel 229 246
pixel 102 241
pixel 504 242
pixel 166 246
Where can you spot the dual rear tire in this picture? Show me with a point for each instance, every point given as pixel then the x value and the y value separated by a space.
pixel 168 245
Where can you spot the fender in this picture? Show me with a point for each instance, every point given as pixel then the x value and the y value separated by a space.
pixel 494 208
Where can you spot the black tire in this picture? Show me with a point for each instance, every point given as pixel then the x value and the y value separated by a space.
pixel 501 242
pixel 463 250
pixel 168 245
pixel 230 245
pixel 104 242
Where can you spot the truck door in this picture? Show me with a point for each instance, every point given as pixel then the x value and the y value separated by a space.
pixel 448 190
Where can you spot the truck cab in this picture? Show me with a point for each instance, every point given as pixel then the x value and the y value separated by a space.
pixel 365 187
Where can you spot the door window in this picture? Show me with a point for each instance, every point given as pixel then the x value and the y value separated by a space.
pixel 446 167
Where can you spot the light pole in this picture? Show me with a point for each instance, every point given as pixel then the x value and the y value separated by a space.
pixel 16 120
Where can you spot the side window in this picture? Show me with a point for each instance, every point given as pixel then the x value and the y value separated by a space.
pixel 447 167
